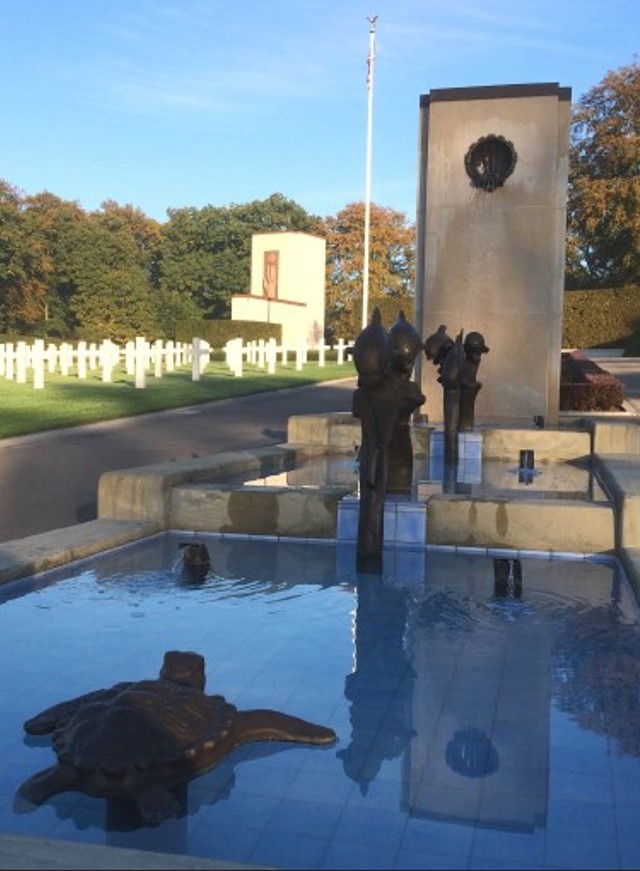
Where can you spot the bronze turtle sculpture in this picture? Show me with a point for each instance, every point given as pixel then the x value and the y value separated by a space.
pixel 138 740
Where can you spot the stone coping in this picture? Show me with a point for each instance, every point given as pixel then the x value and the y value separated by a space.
pixel 630 559
pixel 18 852
pixel 341 431
pixel 135 503
pixel 23 557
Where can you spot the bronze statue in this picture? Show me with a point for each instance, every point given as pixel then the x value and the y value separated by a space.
pixel 405 345
pixel 474 348
pixel 383 401
pixel 139 740
pixel 196 560
pixel 457 361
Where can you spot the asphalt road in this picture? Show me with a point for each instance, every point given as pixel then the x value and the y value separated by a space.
pixel 50 480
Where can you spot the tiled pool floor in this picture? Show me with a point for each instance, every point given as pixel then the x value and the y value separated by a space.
pixel 488 710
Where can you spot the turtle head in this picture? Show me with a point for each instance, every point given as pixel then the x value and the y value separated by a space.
pixel 184 667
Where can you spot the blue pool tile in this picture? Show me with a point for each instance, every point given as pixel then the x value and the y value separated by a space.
pixel 373 795
pixel 325 787
pixel 571 850
pixel 373 825
pixel 440 837
pixel 233 843
pixel 513 849
pixel 295 851
pixel 629 843
pixel 410 524
pixel 314 818
pixel 427 860
pixel 379 661
pixel 347 854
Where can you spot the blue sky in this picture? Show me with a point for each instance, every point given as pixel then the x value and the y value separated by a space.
pixel 173 103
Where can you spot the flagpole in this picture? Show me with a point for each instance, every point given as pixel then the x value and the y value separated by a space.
pixel 367 200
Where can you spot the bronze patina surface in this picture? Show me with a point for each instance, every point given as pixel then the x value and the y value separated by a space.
pixel 139 740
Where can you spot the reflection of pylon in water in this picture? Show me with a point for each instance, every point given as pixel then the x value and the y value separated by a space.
pixel 507 578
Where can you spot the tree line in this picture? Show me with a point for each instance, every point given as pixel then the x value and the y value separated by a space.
pixel 116 273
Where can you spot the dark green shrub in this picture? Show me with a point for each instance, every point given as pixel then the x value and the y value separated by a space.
pixel 602 319
pixel 218 332
pixel 585 386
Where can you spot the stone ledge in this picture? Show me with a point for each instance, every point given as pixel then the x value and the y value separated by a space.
pixel 299 512
pixel 21 852
pixel 617 437
pixel 144 492
pixel 630 559
pixel 548 444
pixel 559 525
pixel 37 553
pixel 620 476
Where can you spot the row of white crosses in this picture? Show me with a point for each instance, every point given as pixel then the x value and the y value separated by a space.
pixel 21 360
pixel 265 354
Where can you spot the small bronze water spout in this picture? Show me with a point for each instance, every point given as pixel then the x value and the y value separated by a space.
pixel 196 560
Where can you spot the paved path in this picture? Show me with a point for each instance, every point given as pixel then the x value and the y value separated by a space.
pixel 50 480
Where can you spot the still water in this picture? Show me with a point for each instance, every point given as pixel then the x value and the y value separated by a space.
pixel 487 708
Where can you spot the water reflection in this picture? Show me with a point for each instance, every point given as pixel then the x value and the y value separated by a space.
pixel 473 476
pixel 597 652
pixel 380 688
pixel 456 679
pixel 120 818
pixel 470 753
pixel 462 687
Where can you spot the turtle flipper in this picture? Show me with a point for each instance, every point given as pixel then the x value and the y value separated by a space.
pixel 156 803
pixel 267 725
pixel 48 782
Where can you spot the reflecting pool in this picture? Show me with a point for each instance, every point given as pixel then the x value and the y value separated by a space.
pixel 487 707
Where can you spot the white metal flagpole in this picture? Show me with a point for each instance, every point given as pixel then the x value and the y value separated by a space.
pixel 367 200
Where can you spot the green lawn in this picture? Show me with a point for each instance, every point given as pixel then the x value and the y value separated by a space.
pixel 69 400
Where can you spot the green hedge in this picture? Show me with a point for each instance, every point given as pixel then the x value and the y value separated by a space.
pixel 603 319
pixel 218 332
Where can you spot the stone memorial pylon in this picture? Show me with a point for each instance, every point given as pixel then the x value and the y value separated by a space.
pixel 491 225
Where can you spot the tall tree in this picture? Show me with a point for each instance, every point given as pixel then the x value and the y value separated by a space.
pixel 391 267
pixel 53 222
pixel 207 252
pixel 603 244
pixel 24 265
pixel 145 232
pixel 113 298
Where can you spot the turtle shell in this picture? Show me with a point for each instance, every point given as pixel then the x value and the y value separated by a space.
pixel 145 724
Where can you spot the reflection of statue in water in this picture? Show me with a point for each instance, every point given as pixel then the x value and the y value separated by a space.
pixel 378 732
pixel 383 399
pixel 457 363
